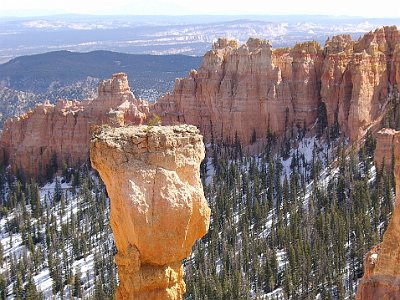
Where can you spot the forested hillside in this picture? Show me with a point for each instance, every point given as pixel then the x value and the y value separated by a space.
pixel 55 239
pixel 293 222
pixel 37 73
pixel 291 225
pixel 290 229
pixel 27 80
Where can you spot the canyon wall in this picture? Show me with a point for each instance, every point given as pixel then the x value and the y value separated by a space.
pixel 158 209
pixel 357 78
pixel 381 278
pixel 60 133
pixel 240 91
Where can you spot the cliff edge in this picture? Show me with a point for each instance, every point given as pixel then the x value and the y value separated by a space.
pixel 59 133
pixel 239 92
pixel 158 209
pixel 381 278
pixel 244 90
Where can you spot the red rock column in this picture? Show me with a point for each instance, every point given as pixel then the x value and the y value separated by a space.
pixel 384 147
pixel 382 264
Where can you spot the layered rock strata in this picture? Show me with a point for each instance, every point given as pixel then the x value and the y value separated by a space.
pixel 60 133
pixel 239 92
pixel 382 264
pixel 243 89
pixel 357 78
pixel 158 209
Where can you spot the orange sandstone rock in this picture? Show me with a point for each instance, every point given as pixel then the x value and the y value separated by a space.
pixel 382 265
pixel 63 131
pixel 243 89
pixel 158 209
pixel 357 78
pixel 384 147
pixel 239 91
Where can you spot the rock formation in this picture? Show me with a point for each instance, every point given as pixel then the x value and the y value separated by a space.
pixel 384 147
pixel 158 209
pixel 240 91
pixel 382 264
pixel 357 78
pixel 62 131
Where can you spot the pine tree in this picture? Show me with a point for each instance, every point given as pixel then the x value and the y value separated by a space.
pixel 3 287
pixel 31 292
pixel 1 254
pixel 17 288
pixel 77 284
pixel 57 191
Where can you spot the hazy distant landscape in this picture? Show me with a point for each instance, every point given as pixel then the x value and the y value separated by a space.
pixel 190 35
pixel 46 72
pixel 65 56
pixel 31 79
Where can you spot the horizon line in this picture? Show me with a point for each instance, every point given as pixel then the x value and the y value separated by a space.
pixel 191 15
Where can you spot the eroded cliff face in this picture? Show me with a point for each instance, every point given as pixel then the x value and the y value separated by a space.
pixel 239 91
pixel 248 88
pixel 243 89
pixel 382 264
pixel 63 131
pixel 158 209
pixel 357 78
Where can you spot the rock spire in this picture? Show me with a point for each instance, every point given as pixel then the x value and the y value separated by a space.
pixel 158 209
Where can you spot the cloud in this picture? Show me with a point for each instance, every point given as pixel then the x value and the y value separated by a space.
pixel 219 7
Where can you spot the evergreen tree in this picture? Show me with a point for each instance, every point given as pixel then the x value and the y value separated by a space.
pixel 3 287
pixel 77 284
pixel 31 292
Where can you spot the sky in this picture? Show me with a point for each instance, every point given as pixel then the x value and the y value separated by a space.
pixel 389 8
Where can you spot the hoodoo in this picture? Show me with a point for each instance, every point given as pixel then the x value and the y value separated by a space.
pixel 382 264
pixel 158 209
